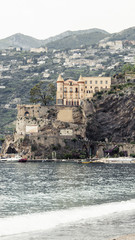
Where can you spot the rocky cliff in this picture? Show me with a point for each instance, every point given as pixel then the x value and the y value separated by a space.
pixel 114 115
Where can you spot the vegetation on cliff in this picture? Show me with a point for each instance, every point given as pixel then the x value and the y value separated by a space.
pixel 44 94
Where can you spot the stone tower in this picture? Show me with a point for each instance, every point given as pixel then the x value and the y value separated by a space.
pixel 60 90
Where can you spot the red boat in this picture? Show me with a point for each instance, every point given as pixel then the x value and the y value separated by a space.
pixel 22 160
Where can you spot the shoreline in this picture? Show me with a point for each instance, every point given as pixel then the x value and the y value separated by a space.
pixel 125 237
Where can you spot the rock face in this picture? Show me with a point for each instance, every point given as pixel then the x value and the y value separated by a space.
pixel 114 117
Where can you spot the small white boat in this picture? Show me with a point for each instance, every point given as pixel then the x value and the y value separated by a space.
pixel 16 158
pixel 117 160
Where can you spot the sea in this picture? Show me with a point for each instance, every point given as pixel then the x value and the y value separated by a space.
pixel 66 201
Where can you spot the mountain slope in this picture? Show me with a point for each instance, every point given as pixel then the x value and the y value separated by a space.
pixel 68 39
pixel 127 34
pixel 76 39
pixel 27 42
pixel 20 40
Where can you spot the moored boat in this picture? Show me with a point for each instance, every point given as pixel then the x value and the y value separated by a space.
pixel 117 160
pixel 16 158
pixel 23 160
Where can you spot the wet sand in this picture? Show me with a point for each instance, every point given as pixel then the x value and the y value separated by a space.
pixel 125 237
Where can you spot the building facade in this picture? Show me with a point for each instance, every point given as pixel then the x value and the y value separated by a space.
pixel 72 93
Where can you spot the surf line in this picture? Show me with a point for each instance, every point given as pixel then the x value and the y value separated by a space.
pixel 47 220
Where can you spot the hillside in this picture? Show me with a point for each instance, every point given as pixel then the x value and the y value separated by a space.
pixel 75 40
pixel 68 39
pixel 20 40
pixel 21 69
pixel 27 42
pixel 127 34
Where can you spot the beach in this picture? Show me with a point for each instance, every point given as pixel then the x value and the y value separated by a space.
pixel 125 237
pixel 62 201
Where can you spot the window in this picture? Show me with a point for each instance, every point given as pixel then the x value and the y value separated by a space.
pixel 101 82
pixel 95 82
pixel 71 90
pixel 90 82
pixel 85 87
pixel 60 101
pixel 106 82
pixel 65 89
pixel 85 82
pixel 76 90
pixel 70 83
pixel 26 114
pixel 96 89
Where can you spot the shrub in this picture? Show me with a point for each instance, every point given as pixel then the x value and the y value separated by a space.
pixel 121 94
pixel 132 155
pixel 74 140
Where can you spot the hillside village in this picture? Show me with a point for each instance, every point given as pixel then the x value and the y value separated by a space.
pixel 21 69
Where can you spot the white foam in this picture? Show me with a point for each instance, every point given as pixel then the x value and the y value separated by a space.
pixel 47 220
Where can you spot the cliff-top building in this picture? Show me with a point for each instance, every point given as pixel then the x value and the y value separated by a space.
pixel 72 93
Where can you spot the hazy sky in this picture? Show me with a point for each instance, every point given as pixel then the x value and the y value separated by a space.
pixel 44 18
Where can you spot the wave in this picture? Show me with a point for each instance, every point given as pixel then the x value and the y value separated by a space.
pixel 47 220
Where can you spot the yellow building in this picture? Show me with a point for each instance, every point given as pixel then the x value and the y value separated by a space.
pixel 72 93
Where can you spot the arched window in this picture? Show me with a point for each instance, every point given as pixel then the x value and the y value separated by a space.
pixel 26 114
pixel 96 89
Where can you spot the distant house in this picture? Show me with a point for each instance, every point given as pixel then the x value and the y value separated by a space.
pixel 38 50
pixel 112 44
pixel 130 77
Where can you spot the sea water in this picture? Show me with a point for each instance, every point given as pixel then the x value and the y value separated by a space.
pixel 66 201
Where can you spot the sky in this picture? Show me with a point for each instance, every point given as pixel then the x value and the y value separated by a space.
pixel 45 18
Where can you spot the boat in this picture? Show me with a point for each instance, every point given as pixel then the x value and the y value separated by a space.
pixel 117 160
pixel 16 158
pixel 23 160
pixel 90 160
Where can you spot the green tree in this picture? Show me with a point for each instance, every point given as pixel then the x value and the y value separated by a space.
pixel 43 94
pixel 128 68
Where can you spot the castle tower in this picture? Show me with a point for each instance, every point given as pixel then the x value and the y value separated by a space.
pixel 60 90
